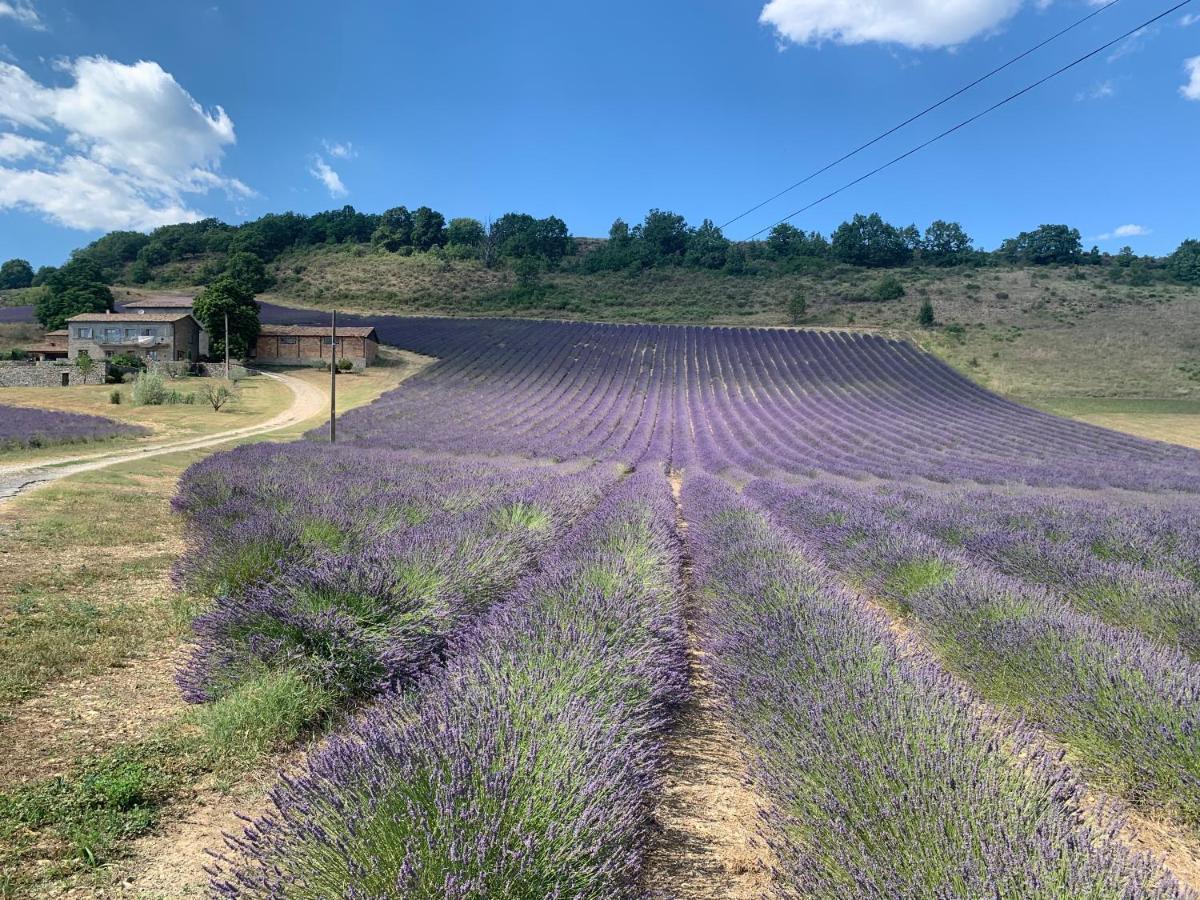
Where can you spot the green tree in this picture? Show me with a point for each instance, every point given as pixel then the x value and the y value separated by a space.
pixel 925 317
pixel 465 232
pixel 85 364
pixel 394 230
pixel 707 247
pixel 78 287
pixel 797 308
pixel 887 288
pixel 114 251
pixel 227 296
pixel 428 229
pixel 16 273
pixel 1046 244
pixel 248 271
pixel 1184 264
pixel 664 234
pixel 945 244
pixel 870 241
pixel 42 275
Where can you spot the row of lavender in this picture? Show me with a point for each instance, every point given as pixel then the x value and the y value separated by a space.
pixel 23 426
pixel 885 781
pixel 1126 706
pixel 354 568
pixel 527 766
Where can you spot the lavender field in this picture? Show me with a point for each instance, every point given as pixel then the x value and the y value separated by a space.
pixel 956 641
pixel 22 426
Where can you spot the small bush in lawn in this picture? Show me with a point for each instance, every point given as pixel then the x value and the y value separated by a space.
pixel 148 389
pixel 114 398
pixel 344 365
pixel 925 317
pixel 219 394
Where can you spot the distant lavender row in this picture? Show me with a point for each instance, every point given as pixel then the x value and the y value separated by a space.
pixel 883 781
pixel 1129 709
pixel 352 569
pixel 528 767
pixel 22 426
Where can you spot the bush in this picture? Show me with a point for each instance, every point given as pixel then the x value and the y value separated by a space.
pixel 925 317
pixel 127 361
pixel 114 397
pixel 344 365
pixel 887 288
pixel 148 389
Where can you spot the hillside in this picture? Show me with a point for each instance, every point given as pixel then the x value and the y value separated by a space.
pixel 1036 333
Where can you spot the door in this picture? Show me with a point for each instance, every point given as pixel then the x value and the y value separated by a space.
pixel 66 379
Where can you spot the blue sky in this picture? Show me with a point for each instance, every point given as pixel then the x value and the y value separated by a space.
pixel 132 114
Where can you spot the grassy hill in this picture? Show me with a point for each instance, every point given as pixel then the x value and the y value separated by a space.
pixel 1042 334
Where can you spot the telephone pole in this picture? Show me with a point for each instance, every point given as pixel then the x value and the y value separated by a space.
pixel 226 346
pixel 333 377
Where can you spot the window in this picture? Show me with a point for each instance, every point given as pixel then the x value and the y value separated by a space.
pixel 151 354
pixel 147 332
pixel 112 335
pixel 327 341
pixel 130 332
pixel 85 333
pixel 288 340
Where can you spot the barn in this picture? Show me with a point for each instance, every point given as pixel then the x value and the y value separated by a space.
pixel 307 345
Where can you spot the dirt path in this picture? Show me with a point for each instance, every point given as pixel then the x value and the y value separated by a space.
pixel 307 401
pixel 707 845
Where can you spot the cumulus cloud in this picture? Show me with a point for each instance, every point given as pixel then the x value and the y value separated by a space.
pixel 23 12
pixel 324 173
pixel 1191 90
pixel 340 151
pixel 131 142
pixel 912 23
pixel 1124 231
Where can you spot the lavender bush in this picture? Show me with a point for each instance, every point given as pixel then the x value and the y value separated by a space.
pixel 23 426
pixel 526 767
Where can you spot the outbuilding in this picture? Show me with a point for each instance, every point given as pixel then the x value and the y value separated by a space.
pixel 309 345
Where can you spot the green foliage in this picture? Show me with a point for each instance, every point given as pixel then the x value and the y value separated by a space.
pixel 127 360
pixel 78 287
pixel 1046 244
pixel 465 232
pixel 394 230
pixel 219 394
pixel 1184 264
pixel 113 252
pixel 521 236
pixel 84 363
pixel 42 275
pixel 227 297
pixel 114 397
pixel 345 365
pixel 870 241
pixel 797 308
pixel 428 229
pixel 665 235
pixel 925 317
pixel 788 242
pixel 148 389
pixel 528 270
pixel 887 288
pixel 707 247
pixel 946 244
pixel 248 271
pixel 16 273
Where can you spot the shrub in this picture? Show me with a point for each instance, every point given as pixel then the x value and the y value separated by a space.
pixel 148 389
pixel 925 317
pixel 887 288
pixel 114 397
pixel 344 365
pixel 219 394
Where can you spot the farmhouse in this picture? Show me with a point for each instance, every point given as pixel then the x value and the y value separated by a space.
pixel 306 345
pixel 53 346
pixel 169 303
pixel 154 336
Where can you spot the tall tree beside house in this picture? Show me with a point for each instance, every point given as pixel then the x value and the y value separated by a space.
pixel 77 287
pixel 227 296
pixel 248 271
pixel 16 273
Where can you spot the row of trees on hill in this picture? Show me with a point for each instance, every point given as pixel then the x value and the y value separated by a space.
pixel 530 244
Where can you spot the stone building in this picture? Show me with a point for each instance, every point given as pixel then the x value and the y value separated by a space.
pixel 169 303
pixel 308 345
pixel 53 346
pixel 155 337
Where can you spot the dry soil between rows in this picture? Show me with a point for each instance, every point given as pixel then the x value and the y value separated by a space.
pixel 707 845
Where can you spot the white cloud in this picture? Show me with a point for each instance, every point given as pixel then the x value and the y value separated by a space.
pixel 322 171
pixel 15 146
pixel 913 23
pixel 23 12
pixel 1191 90
pixel 1124 231
pixel 340 151
pixel 1098 91
pixel 133 142
pixel 1189 19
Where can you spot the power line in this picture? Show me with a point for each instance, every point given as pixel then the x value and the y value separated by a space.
pixel 924 112
pixel 977 116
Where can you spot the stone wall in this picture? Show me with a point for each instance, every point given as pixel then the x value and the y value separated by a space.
pixel 27 373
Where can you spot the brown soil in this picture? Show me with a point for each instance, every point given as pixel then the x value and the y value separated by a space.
pixel 708 843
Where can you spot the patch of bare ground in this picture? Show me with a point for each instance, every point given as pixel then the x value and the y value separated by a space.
pixel 48 734
pixel 707 844
pixel 1171 845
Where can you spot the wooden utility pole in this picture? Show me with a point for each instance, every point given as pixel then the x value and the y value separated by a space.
pixel 226 346
pixel 333 377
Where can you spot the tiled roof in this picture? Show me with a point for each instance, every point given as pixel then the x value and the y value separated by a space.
pixel 164 301
pixel 361 331
pixel 131 317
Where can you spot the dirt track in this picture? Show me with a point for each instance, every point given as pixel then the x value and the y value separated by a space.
pixel 307 401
